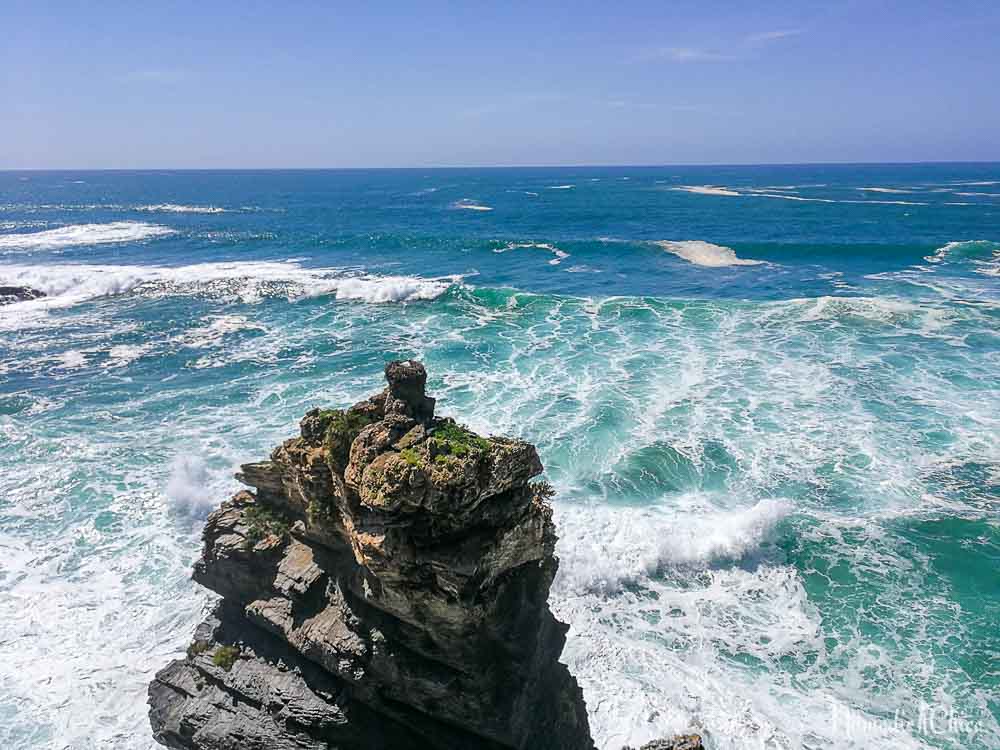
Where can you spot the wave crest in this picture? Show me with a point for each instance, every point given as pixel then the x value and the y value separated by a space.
pixel 176 208
pixel 559 255
pixel 84 234
pixel 607 548
pixel 705 253
pixel 69 284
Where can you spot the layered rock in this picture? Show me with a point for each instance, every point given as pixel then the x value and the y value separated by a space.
pixel 384 585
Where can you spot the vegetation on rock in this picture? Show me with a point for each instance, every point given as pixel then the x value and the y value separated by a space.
pixel 342 429
pixel 225 656
pixel 411 457
pixel 263 522
pixel 453 439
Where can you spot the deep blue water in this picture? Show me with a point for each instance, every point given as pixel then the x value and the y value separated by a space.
pixel 767 396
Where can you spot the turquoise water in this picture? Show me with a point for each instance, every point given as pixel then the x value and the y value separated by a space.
pixel 768 398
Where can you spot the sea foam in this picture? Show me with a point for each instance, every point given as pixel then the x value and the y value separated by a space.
pixel 705 254
pixel 84 234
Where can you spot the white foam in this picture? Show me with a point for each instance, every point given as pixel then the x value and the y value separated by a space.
pixel 84 234
pixel 216 328
pixel 176 208
pixel 705 253
pixel 69 284
pixel 385 288
pixel 883 190
pixel 963 250
pixel 705 190
pixel 560 187
pixel 122 355
pixel 470 205
pixel 71 360
pixel 560 255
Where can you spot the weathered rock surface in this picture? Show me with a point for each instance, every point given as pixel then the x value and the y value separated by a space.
pixel 385 585
pixel 11 294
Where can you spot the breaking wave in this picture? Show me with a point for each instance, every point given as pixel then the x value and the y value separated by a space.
pixel 605 548
pixel 705 254
pixel 84 234
pixel 705 190
pixel 470 205
pixel 68 284
pixel 176 208
pixel 559 255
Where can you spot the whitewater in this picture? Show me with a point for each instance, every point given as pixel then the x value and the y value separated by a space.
pixel 772 425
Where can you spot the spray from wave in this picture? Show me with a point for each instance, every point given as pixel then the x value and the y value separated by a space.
pixel 606 548
pixel 187 487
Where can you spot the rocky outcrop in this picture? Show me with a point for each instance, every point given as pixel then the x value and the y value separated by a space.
pixel 384 585
pixel 11 294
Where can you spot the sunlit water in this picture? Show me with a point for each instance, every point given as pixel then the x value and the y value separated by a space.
pixel 769 399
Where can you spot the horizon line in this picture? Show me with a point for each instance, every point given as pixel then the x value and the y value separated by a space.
pixel 504 166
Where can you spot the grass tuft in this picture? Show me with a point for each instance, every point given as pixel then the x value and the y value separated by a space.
pixel 453 439
pixel 225 657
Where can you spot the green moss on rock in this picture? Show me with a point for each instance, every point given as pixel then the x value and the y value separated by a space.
pixel 411 457
pixel 453 439
pixel 225 656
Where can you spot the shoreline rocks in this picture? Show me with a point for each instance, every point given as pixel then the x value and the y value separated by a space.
pixel 11 294
pixel 384 585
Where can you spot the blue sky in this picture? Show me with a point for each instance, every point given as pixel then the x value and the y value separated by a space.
pixel 301 84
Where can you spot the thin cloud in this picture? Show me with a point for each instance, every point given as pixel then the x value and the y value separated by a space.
pixel 772 36
pixel 686 55
pixel 741 50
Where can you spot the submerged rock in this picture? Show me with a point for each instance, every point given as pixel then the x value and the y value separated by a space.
pixel 11 294
pixel 384 585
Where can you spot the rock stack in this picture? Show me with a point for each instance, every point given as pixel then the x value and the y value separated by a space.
pixel 383 586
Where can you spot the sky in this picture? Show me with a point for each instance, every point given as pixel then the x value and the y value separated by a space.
pixel 382 84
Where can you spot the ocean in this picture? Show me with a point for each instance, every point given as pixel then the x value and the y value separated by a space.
pixel 768 399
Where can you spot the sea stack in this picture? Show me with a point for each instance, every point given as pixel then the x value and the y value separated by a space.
pixel 384 585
